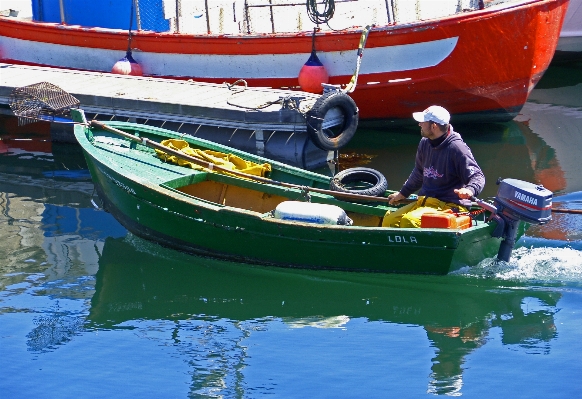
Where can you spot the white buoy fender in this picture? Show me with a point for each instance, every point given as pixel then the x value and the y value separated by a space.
pixel 127 66
pixel 308 212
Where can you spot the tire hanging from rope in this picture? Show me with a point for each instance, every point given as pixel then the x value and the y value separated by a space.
pixel 334 138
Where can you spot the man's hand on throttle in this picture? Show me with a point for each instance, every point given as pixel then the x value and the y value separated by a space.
pixel 464 193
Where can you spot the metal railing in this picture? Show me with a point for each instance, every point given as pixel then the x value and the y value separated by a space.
pixel 264 16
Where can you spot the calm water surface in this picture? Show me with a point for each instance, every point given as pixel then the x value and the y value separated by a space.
pixel 90 311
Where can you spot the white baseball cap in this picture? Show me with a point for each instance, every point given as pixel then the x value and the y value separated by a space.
pixel 434 113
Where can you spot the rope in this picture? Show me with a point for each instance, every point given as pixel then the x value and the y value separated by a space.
pixel 323 17
pixel 313 41
pixel 477 212
pixel 305 193
pixel 130 23
pixel 230 86
pixel 265 105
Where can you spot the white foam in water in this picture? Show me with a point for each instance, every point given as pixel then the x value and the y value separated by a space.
pixel 544 264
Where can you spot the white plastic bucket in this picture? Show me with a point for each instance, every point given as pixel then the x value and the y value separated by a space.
pixel 308 212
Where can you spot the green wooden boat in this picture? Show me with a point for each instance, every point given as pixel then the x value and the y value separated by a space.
pixel 233 217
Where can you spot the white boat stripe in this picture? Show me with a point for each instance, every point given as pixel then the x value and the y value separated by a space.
pixel 338 63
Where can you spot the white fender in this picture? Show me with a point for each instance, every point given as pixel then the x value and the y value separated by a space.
pixel 308 212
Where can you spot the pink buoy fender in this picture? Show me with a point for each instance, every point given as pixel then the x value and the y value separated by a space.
pixel 127 66
pixel 312 75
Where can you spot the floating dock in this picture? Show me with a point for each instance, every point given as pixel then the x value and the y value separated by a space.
pixel 248 118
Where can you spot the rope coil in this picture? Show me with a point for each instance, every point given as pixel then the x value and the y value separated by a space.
pixel 323 17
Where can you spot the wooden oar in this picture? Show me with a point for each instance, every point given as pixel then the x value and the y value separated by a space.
pixel 572 211
pixel 211 166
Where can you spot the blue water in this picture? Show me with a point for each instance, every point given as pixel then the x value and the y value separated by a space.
pixel 90 311
pixel 179 326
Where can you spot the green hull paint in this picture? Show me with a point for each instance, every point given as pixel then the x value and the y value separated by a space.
pixel 142 193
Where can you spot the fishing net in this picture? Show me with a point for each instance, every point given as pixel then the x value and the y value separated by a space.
pixel 41 101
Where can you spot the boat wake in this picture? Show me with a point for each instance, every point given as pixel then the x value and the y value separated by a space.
pixel 546 265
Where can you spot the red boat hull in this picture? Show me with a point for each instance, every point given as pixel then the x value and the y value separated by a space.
pixel 480 65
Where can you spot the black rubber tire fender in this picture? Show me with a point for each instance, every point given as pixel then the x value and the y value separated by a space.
pixel 316 115
pixel 376 180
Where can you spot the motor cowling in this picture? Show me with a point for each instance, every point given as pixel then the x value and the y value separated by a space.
pixel 516 201
pixel 525 201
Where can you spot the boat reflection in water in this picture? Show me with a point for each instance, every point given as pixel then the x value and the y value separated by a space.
pixel 45 197
pixel 209 299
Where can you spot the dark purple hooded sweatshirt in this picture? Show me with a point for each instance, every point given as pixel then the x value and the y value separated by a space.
pixel 441 169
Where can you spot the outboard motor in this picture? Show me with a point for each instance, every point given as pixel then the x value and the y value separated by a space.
pixel 517 201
